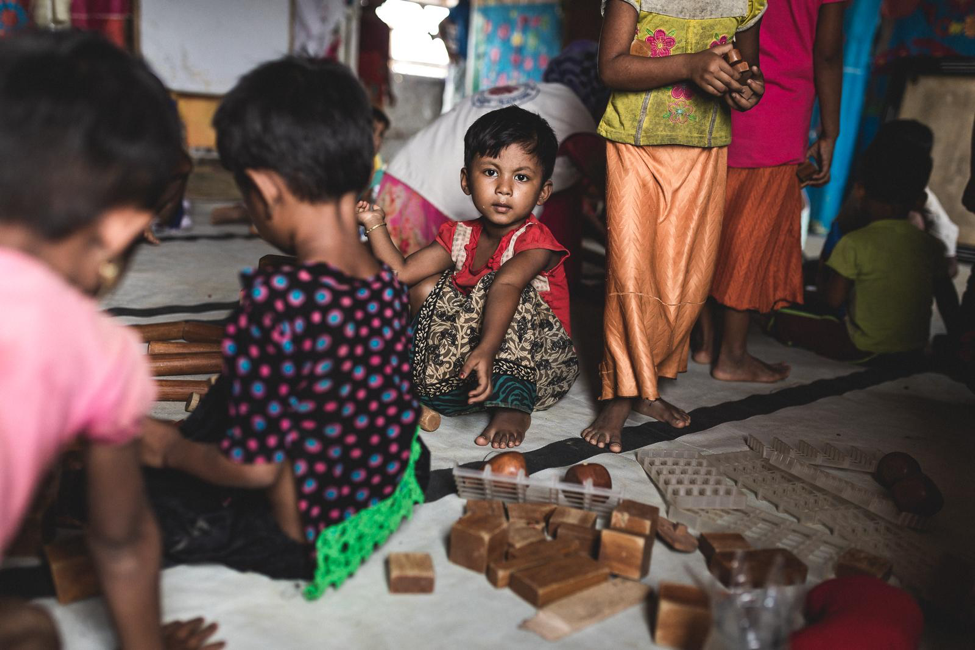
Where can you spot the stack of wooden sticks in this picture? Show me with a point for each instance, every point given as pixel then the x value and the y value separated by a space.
pixel 183 348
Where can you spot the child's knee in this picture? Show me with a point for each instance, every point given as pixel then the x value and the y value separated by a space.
pixel 420 291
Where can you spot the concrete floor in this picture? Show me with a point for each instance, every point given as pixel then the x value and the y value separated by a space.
pixel 194 275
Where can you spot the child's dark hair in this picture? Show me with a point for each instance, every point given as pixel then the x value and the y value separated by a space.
pixel 307 120
pixel 378 115
pixel 895 171
pixel 907 132
pixel 499 129
pixel 84 128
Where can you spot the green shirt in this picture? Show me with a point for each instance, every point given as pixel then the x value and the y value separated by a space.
pixel 680 113
pixel 893 266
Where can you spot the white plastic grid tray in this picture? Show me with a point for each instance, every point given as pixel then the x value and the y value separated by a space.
pixel 687 480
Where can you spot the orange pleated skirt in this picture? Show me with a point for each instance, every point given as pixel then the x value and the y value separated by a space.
pixel 663 211
pixel 760 257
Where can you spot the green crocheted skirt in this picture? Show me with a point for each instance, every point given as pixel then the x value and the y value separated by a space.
pixel 342 548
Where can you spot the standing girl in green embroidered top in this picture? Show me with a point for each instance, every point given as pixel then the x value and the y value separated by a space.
pixel 315 408
pixel 668 126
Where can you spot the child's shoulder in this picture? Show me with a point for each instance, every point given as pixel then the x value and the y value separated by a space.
pixel 304 287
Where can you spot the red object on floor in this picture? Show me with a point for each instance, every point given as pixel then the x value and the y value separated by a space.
pixel 859 613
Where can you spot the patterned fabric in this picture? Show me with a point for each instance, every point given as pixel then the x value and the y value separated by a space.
pixel 760 259
pixel 506 392
pixel 536 348
pixel 679 113
pixel 663 210
pixel 319 368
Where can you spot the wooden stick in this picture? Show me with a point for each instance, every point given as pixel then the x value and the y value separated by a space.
pixel 192 402
pixel 179 347
pixel 179 390
pixel 586 608
pixel 160 331
pixel 163 365
pixel 203 332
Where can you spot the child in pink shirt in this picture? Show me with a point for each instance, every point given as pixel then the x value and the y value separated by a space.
pixel 89 142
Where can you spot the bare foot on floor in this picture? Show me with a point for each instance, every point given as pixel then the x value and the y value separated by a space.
pixel 606 429
pixel 702 337
pixel 703 356
pixel 750 369
pixel 663 411
pixel 506 429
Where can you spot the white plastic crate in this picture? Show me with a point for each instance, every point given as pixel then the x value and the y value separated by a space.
pixel 687 480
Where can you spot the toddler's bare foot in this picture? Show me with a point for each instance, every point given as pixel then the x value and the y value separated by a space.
pixel 507 428
pixel 606 429
pixel 748 368
pixel 663 411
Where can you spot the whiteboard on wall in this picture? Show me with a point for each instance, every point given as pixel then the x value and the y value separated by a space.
pixel 204 46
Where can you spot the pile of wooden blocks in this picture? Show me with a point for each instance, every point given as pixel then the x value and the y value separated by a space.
pixel 198 352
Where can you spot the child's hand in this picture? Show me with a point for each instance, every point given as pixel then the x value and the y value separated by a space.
pixel 711 72
pixel 822 152
pixel 480 362
pixel 751 92
pixel 158 438
pixel 369 214
pixel 190 635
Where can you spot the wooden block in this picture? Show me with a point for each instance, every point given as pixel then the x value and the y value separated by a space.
pixel 72 570
pixel 484 507
pixel 683 617
pixel 565 515
pixel 192 402
pixel 532 513
pixel 410 573
pixel 499 572
pixel 545 548
pixel 853 561
pixel 711 543
pixel 742 67
pixel 806 171
pixel 586 608
pixel 557 579
pixel 758 568
pixel 625 554
pixel 634 517
pixel 181 347
pixel 160 331
pixel 733 57
pixel 185 364
pixel 588 538
pixel 676 536
pixel 179 390
pixel 429 419
pixel 476 540
pixel 521 534
pixel 203 332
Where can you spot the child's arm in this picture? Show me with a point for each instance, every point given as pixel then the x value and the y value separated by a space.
pixel 828 74
pixel 620 70
pixel 429 260
pixel 837 290
pixel 502 301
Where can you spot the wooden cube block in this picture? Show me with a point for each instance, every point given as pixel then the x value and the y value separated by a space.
pixel 483 507
pixel 72 570
pixel 475 540
pixel 853 562
pixel 500 571
pixel 521 535
pixel 676 536
pixel 755 567
pixel 683 617
pixel 544 548
pixel 625 554
pixel 565 515
pixel 534 514
pixel 557 579
pixel 588 538
pixel 585 608
pixel 711 543
pixel 634 517
pixel 410 573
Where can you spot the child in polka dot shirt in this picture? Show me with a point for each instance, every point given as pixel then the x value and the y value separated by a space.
pixel 315 407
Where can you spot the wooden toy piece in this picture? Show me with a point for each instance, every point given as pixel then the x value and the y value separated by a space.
pixel 483 507
pixel 179 390
pixel 534 514
pixel 639 47
pixel 683 617
pixel 160 331
pixel 806 171
pixel 594 472
pixel 476 540
pixel 711 543
pixel 918 495
pixel 72 570
pixel 733 57
pixel 429 419
pixel 588 538
pixel 499 572
pixel 203 332
pixel 755 567
pixel 163 365
pixel 625 554
pixel 586 608
pixel 508 463
pixel 181 347
pixel 521 535
pixel 272 261
pixel 895 466
pixel 213 379
pixel 555 547
pixel 676 536
pixel 192 402
pixel 853 561
pixel 557 579
pixel 565 515
pixel 634 517
pixel 410 573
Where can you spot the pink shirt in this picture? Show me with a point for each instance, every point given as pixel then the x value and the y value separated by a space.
pixel 776 131
pixel 66 371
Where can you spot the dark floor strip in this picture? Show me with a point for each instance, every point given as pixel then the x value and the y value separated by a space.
pixel 574 449
pixel 224 236
pixel 147 312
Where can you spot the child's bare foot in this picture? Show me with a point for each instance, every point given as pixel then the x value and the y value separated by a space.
pixel 748 368
pixel 663 411
pixel 606 429
pixel 507 428
pixel 702 337
pixel 703 356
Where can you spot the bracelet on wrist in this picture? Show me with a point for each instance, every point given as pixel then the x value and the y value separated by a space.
pixel 378 225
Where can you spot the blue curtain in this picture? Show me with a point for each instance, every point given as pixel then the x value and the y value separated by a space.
pixel 860 27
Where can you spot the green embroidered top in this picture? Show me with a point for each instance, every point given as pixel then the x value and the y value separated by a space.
pixel 681 113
